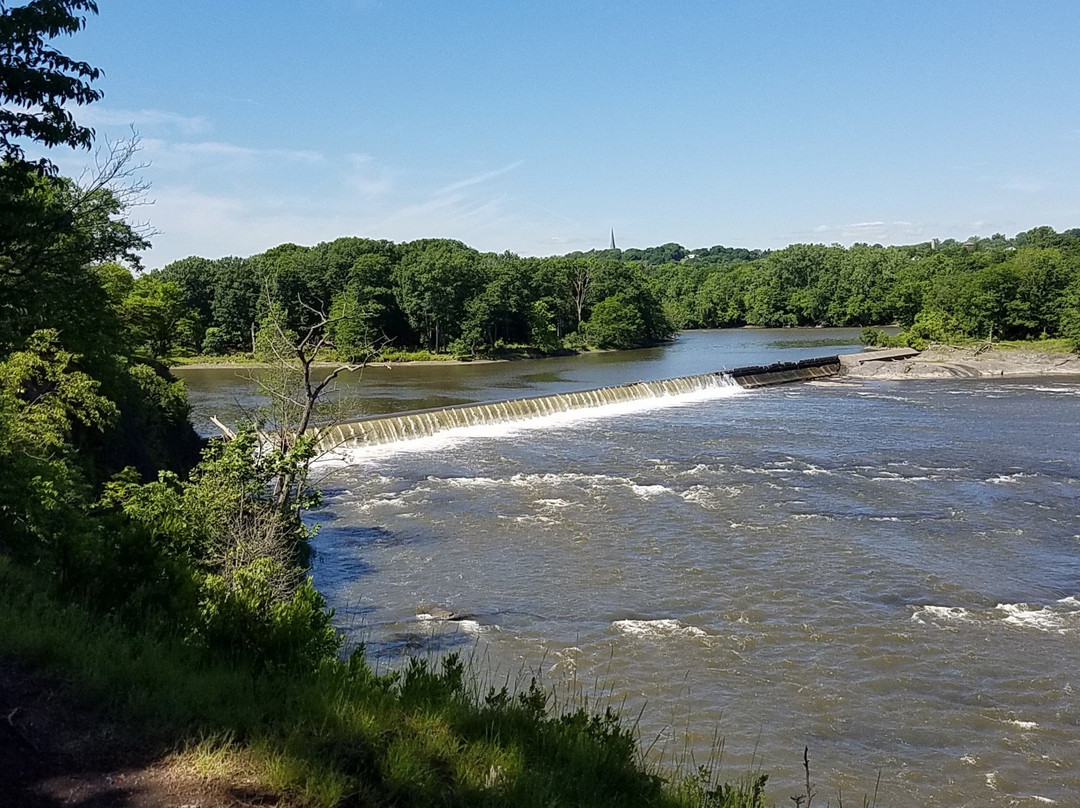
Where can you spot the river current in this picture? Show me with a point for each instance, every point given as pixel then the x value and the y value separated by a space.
pixel 885 572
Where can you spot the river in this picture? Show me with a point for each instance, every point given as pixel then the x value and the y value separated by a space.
pixel 885 572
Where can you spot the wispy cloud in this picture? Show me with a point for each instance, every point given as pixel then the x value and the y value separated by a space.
pixel 479 178
pixel 894 232
pixel 367 177
pixel 211 149
pixel 1026 185
pixel 222 196
pixel 216 198
pixel 144 119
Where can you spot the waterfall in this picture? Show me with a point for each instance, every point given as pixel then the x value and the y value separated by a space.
pixel 381 429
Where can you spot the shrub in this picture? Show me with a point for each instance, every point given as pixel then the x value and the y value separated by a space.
pixel 248 620
pixel 575 341
pixel 876 338
pixel 214 341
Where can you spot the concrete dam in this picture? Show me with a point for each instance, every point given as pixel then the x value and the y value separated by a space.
pixel 400 426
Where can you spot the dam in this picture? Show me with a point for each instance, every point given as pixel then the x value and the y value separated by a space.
pixel 410 425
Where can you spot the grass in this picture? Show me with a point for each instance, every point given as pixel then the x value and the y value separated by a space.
pixel 406 355
pixel 1047 346
pixel 345 735
pixel 385 355
pixel 213 359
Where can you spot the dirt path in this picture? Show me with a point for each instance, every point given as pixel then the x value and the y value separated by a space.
pixel 56 751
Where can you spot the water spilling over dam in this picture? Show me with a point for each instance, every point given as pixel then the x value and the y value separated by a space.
pixel 415 424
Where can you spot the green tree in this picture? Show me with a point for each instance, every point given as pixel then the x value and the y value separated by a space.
pixel 234 302
pixel 615 323
pixel 45 401
pixel 57 233
pixel 433 285
pixel 159 318
pixel 542 331
pixel 37 81
pixel 366 313
pixel 197 279
pixel 720 301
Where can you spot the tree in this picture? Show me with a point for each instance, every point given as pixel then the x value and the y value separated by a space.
pixel 155 312
pixel 196 278
pixel 366 313
pixel 433 284
pixel 36 80
pixel 615 323
pixel 53 230
pixel 44 400
pixel 295 392
pixel 578 279
pixel 236 292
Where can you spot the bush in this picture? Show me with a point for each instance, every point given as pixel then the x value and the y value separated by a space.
pixel 930 326
pixel 214 341
pixel 575 341
pixel 876 338
pixel 249 621
pixel 1070 328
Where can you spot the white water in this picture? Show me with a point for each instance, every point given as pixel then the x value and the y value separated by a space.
pixel 435 431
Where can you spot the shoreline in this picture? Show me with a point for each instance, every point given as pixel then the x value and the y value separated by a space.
pixel 952 362
pixel 333 365
pixel 936 362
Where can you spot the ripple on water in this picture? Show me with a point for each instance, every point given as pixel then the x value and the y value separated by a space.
pixel 662 628
pixel 861 572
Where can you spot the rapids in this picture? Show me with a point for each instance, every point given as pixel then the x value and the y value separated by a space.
pixel 887 572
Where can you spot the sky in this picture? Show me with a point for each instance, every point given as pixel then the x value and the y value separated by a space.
pixel 539 127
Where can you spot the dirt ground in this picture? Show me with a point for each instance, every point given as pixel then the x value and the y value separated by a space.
pixel 57 751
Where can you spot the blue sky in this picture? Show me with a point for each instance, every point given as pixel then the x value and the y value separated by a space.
pixel 536 127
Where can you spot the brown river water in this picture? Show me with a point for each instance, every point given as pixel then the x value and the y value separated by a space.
pixel 886 572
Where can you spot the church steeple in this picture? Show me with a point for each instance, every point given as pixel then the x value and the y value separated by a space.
pixel 613 239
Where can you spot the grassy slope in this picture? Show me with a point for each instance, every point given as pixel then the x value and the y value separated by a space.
pixel 345 735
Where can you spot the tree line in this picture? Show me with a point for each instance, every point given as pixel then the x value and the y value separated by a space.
pixel 1026 287
pixel 442 296
pixel 437 295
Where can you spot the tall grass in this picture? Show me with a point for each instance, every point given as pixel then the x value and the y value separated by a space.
pixel 345 735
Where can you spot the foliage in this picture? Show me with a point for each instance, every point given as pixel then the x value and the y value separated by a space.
pixel 342 734
pixel 57 232
pixel 614 323
pixel 36 80
pixel 158 318
pixel 431 294
pixel 44 401
pixel 213 341
pixel 247 619
pixel 542 330
pixel 437 294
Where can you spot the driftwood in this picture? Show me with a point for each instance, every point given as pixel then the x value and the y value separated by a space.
pixel 228 433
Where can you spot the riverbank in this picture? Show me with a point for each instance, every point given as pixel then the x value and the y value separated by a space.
pixel 951 362
pixel 99 714
pixel 420 358
pixel 232 365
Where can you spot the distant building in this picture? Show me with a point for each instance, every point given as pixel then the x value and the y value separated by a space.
pixel 934 243
pixel 613 239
